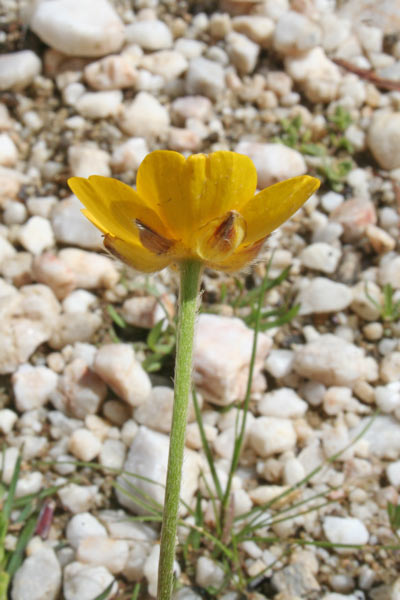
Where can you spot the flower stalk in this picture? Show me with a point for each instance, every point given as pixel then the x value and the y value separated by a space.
pixel 190 272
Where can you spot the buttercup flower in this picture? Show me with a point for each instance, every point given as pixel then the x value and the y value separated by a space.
pixel 201 208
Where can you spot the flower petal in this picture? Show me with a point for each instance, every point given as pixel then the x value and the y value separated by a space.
pixel 136 256
pixel 274 205
pixel 239 259
pixel 188 194
pixel 220 237
pixel 114 206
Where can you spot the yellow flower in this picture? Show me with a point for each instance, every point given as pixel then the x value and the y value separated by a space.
pixel 200 208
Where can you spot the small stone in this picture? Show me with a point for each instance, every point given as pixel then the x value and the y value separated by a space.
pixel 14 213
pixel 270 435
pixel 367 298
pixel 221 357
pixel 274 162
pixel 167 63
pixel 79 301
pixel 205 77
pixel 18 69
pixel 284 403
pixel 8 418
pixel 90 270
pixel 257 28
pixel 144 117
pixel 295 34
pixel 79 27
pixel 112 455
pixel 321 257
pixel 321 295
pixel 49 269
pixel 332 361
pixel 390 367
pixel 33 386
pixel 379 239
pixel 150 34
pixel 190 107
pixel 81 391
pixel 116 412
pixel 84 445
pixel 148 457
pixel 117 366
pixel 99 105
pixel 146 311
pixel 242 52
pixel 111 73
pixel 36 235
pixel 279 363
pixel 345 530
pixel 72 228
pixel 316 73
pixel 74 327
pixel 295 580
pixel 209 573
pixel 103 552
pixel 8 150
pixel 77 498
pixel 393 473
pixel 38 578
pixel 87 159
pixel 85 582
pixel 183 140
pixel 354 216
pixel 8 461
pixel 384 139
pixel 383 436
pixel 387 397
pixel 129 155
pixel 7 250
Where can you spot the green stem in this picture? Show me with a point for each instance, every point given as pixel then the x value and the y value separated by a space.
pixel 190 272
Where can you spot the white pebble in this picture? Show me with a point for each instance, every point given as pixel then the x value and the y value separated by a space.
pixel 145 116
pixel 33 386
pixel 149 34
pixel 82 526
pixel 270 435
pixel 321 257
pixel 102 551
pixel 84 445
pixel 18 69
pixel 85 582
pixel 283 402
pixel 112 454
pixel 36 235
pixel 345 530
pixel 8 418
pixel 8 151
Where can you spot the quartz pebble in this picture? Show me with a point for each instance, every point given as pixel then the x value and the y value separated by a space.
pixel 38 578
pixel 295 34
pixel 99 105
pixel 82 526
pixel 87 159
pixel 128 155
pixel 321 295
pixel 103 552
pixel 270 435
pixel 145 117
pixel 274 162
pixel 321 257
pixel 149 34
pixel 242 52
pixel 316 73
pixel 72 228
pixel 79 28
pixel 114 72
pixel 117 366
pixel 85 582
pixel 84 445
pixel 33 386
pixel 208 573
pixel 257 28
pixel 77 498
pixel 205 77
pixel 36 235
pixel 283 403
pixel 345 530
pixel 8 151
pixel 18 69
pixel 383 139
pixel 74 327
pixel 90 270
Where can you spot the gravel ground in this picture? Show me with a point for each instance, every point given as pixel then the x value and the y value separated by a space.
pixel 90 87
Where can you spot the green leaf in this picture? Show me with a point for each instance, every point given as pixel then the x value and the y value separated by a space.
pixel 117 319
pixel 104 595
pixel 154 335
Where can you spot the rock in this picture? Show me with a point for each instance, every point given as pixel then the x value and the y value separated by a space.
pixel 87 159
pixel 150 34
pixel 8 150
pixel 209 573
pixel 128 155
pixel 18 69
pixel 387 397
pixel 321 257
pixel 279 363
pixel 144 117
pixel 221 357
pixel 8 418
pixel 354 215
pixel 321 295
pixel 18 268
pixel 384 139
pixel 274 162
pixel 8 460
pixel 83 582
pixel 393 473
pixel 33 386
pixel 36 235
pixel 390 367
pixel 79 301
pixel 6 250
pixel 383 436
pixel 296 580
pixel 38 578
pixel 111 73
pixel 79 27
pixel 72 228
pixel 112 455
pixel 379 239
pixel 205 77
pixel 117 366
pixel 14 213
pixel 80 390
pixel 257 28
pixel 148 457
pixel 190 107
pixel 82 526
pixel 345 530
pixel 49 269
pixel 156 411
pixel 183 140
pixel 389 271
pixel 90 270
pixel 362 304
pixel 295 34
pixel 332 361
pixel 317 75
pixel 84 445
pixel 284 403
pixel 78 498
pixel 167 63
pixel 103 552
pixel 99 105
pixel 74 327
pixel 270 435
pixel 146 311
pixel 31 483
pixel 243 53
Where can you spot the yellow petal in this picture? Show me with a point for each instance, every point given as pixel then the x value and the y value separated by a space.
pixel 114 206
pixel 136 256
pixel 274 205
pixel 239 259
pixel 188 194
pixel 220 237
